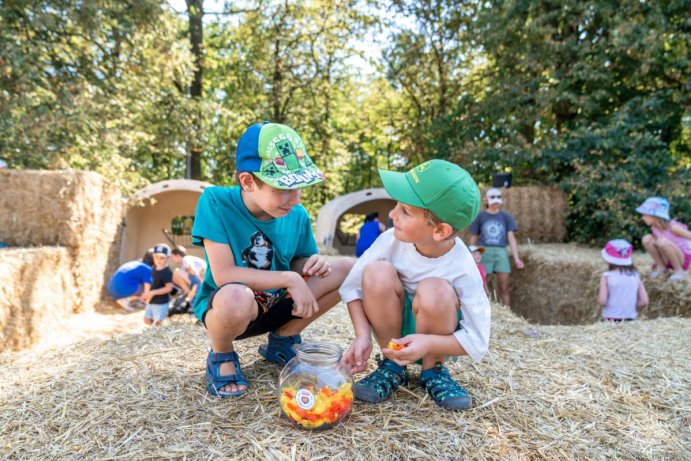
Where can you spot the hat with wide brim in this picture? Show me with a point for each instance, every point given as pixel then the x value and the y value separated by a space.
pixel 618 252
pixel 655 206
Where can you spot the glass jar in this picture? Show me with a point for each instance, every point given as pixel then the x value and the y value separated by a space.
pixel 315 390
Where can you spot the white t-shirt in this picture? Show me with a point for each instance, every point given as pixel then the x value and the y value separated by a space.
pixel 197 264
pixel 457 267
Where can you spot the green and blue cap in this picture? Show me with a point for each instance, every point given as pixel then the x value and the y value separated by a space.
pixel 277 155
pixel 442 187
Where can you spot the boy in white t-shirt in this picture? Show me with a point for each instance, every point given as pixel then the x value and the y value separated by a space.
pixel 190 273
pixel 419 283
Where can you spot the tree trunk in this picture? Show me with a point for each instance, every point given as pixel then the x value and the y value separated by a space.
pixel 195 12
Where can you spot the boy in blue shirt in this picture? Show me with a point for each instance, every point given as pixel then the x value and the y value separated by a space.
pixel 131 281
pixel 264 273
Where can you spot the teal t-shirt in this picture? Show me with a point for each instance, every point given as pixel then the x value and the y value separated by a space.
pixel 222 217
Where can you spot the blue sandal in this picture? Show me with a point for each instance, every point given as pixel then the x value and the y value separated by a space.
pixel 445 392
pixel 217 380
pixel 279 349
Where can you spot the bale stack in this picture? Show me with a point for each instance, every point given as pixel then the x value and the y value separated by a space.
pixel 560 284
pixel 80 212
pixel 539 213
pixel 37 286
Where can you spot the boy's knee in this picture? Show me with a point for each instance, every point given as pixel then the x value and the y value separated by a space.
pixel 379 275
pixel 234 302
pixel 434 295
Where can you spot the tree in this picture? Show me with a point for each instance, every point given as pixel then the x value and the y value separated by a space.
pixel 92 85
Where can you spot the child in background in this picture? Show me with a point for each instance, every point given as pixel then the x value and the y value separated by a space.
pixel 159 296
pixel 494 229
pixel 419 283
pixel 368 233
pixel 477 251
pixel 131 282
pixel 621 289
pixel 670 243
pixel 190 273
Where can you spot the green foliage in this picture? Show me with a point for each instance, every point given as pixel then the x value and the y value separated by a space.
pixel 590 96
pixel 93 85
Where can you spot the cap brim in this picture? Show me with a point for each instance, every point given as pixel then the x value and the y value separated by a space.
pixel 277 184
pixel 398 187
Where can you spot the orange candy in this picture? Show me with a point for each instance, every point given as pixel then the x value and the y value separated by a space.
pixel 395 347
pixel 325 406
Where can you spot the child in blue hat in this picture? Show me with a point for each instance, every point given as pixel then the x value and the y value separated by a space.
pixel 670 242
pixel 264 273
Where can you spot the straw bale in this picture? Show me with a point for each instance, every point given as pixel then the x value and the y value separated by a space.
pixel 560 284
pixel 37 289
pixel 76 209
pixel 63 208
pixel 539 213
pixel 598 391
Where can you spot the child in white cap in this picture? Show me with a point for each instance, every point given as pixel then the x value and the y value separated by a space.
pixel 670 242
pixel 622 292
pixel 494 229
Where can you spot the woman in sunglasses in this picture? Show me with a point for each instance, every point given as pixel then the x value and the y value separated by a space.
pixel 494 229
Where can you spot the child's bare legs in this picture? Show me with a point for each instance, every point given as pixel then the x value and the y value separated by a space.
pixel 382 293
pixel 234 308
pixel 503 279
pixel 181 279
pixel 664 252
pixel 436 313
pixel 150 322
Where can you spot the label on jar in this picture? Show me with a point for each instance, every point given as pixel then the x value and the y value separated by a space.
pixel 305 399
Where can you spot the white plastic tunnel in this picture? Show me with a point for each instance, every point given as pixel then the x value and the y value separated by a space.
pixel 330 235
pixel 161 213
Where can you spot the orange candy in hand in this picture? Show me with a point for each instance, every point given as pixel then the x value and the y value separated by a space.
pixel 395 347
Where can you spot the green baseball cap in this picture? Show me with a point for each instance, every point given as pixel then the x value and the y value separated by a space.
pixel 276 154
pixel 443 188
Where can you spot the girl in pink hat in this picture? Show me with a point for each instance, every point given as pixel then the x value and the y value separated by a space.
pixel 622 292
pixel 670 242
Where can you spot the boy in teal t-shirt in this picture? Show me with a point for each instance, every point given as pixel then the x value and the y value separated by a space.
pixel 264 274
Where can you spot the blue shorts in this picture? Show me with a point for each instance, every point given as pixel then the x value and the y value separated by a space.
pixel 156 312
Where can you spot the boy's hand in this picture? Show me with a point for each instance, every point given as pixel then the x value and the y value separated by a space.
pixel 519 263
pixel 415 347
pixel 355 358
pixel 304 303
pixel 316 265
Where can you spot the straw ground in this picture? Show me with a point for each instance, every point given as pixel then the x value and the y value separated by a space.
pixel 602 391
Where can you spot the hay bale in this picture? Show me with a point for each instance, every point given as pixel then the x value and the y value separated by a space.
pixel 57 208
pixel 37 289
pixel 76 209
pixel 560 284
pixel 539 213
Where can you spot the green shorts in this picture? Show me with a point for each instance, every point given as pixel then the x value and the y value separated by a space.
pixel 408 327
pixel 496 259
